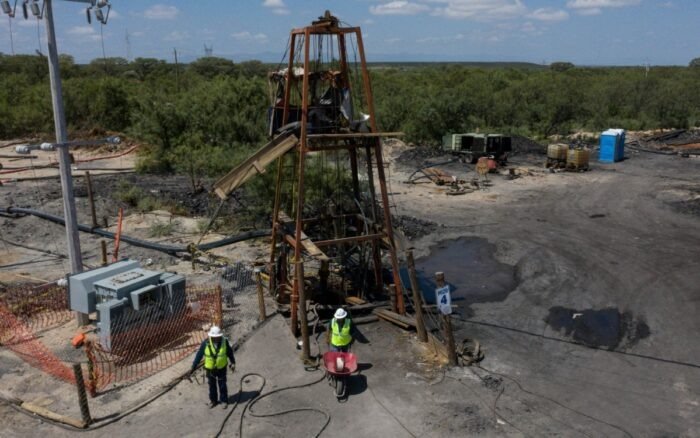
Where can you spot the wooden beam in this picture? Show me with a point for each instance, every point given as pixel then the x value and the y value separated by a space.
pixel 344 240
pixel 43 412
pixel 254 164
pixel 395 318
pixel 306 243
pixel 355 135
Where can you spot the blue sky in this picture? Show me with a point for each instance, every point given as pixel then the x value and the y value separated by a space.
pixel 591 32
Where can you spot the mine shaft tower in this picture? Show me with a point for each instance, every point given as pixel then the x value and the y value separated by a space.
pixel 336 224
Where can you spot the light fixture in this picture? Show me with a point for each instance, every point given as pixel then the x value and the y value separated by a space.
pixel 6 8
pixel 97 6
pixel 36 9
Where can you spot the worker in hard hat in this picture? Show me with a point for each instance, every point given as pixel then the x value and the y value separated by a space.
pixel 217 354
pixel 340 331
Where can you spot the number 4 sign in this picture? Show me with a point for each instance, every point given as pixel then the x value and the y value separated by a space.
pixel 443 300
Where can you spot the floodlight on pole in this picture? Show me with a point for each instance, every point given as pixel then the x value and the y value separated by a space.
pixel 37 11
pixel 97 6
pixel 6 8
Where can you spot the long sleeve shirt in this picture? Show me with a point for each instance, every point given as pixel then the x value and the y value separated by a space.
pixel 200 353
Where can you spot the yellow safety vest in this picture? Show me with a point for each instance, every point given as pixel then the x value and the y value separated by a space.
pixel 340 338
pixel 215 361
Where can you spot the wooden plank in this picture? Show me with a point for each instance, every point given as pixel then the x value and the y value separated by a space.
pixel 393 321
pixel 306 243
pixel 355 300
pixel 43 412
pixel 400 320
pixel 349 240
pixel 365 319
pixel 254 164
pixel 356 135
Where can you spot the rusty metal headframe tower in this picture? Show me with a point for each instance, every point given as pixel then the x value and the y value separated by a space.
pixel 325 122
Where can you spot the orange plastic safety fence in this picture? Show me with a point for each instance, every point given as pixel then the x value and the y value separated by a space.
pixel 18 337
pixel 139 348
pixel 38 307
pixel 155 343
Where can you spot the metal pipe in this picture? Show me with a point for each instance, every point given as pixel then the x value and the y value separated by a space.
pixel 168 249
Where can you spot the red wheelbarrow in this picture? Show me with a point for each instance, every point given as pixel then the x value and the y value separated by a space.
pixel 338 367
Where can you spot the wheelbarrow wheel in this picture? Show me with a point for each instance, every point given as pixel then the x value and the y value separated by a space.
pixel 340 387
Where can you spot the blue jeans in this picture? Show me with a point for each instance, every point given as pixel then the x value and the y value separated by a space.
pixel 217 378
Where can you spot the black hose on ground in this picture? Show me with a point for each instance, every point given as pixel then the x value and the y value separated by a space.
pixel 249 405
pixel 168 249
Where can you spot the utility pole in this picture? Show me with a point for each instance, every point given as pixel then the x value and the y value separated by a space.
pixel 177 72
pixel 76 261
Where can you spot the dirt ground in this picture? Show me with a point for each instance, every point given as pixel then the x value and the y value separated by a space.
pixel 581 287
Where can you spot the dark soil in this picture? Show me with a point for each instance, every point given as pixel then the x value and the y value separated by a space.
pixel 414 228
pixel 606 328
pixel 420 156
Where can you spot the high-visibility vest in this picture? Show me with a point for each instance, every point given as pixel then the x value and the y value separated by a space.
pixel 340 337
pixel 216 360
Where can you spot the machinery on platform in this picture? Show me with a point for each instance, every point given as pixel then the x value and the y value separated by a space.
pixel 126 297
pixel 474 146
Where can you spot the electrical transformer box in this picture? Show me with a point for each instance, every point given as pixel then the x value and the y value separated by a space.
pixel 126 297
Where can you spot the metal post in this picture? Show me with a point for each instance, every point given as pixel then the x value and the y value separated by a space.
pixel 82 394
pixel 388 228
pixel 69 212
pixel 103 247
pixel 447 325
pixel 261 296
pixel 417 299
pixel 305 348
pixel 91 199
pixel 299 282
pixel 218 317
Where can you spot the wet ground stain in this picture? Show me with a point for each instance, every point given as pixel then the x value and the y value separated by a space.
pixel 604 328
pixel 471 270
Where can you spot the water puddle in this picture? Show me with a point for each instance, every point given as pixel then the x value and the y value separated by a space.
pixel 471 269
pixel 604 328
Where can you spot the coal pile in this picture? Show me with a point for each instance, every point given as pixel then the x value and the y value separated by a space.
pixel 524 145
pixel 604 328
pixel 421 155
pixel 414 228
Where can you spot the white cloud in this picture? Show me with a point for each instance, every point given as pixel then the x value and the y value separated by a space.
pixel 436 39
pixel 398 7
pixel 81 30
pixel 591 11
pixel 26 23
pixel 392 40
pixel 247 36
pixel 161 12
pixel 83 33
pixel 278 7
pixel 548 14
pixel 595 7
pixel 483 10
pixel 176 35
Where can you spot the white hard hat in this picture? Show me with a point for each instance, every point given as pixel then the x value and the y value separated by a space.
pixel 340 313
pixel 215 332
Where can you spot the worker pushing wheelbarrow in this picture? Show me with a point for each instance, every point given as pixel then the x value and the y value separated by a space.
pixel 339 362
